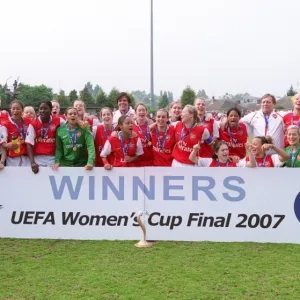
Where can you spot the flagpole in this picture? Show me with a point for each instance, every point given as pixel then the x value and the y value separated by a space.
pixel 151 58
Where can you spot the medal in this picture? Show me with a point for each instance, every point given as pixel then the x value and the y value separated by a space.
pixel 124 147
pixel 22 132
pixel 146 134
pixel 39 139
pixel 162 142
pixel 183 136
pixel 44 131
pixel 73 138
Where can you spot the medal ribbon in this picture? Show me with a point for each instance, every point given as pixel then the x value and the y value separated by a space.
pixel 44 131
pixel 292 120
pixel 72 136
pixel 22 132
pixel 146 134
pixel 267 123
pixel 263 163
pixel 219 164
pixel 124 147
pixel 163 142
pixel 106 132
pixel 293 156
pixel 183 136
pixel 230 134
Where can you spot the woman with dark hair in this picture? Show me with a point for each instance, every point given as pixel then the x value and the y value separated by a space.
pixel 124 149
pixel 260 149
pixel 40 139
pixel 74 144
pixel 220 157
pixel 163 139
pixel 141 126
pixel 234 133
pixel 15 129
pixel 102 132
pixel 188 132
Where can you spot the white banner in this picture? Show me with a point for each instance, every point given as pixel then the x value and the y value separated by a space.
pixel 184 204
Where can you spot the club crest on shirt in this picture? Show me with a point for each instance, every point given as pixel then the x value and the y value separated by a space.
pixel 298 157
pixel 167 137
pixel 78 133
pixel 192 136
pixel 52 127
pixel 274 116
pixel 131 145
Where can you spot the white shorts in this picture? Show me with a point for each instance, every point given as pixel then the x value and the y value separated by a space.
pixel 176 163
pixel 19 161
pixel 44 160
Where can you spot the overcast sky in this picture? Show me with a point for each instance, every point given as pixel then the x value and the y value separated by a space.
pixel 218 45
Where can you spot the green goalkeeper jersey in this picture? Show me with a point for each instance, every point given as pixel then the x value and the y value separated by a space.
pixel 294 161
pixel 74 148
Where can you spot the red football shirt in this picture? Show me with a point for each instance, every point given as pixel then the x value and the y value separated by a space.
pixel 19 131
pixel 42 136
pixel 162 151
pixel 236 139
pixel 290 119
pixel 186 138
pixel 147 158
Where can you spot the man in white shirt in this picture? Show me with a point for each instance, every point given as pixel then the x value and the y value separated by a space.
pixel 266 122
pixel 123 101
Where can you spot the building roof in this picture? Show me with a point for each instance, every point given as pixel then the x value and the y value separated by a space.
pixel 286 102
pixel 223 104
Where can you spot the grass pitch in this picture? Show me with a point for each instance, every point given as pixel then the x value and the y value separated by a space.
pixel 58 269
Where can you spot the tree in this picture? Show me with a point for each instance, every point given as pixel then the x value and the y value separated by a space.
pixel 86 96
pixel 202 94
pixel 73 96
pixel 63 99
pixel 33 95
pixel 188 96
pixel 101 99
pixel 291 91
pixel 3 98
pixel 111 98
pixel 96 90
pixel 163 101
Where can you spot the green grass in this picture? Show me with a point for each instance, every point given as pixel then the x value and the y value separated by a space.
pixel 48 269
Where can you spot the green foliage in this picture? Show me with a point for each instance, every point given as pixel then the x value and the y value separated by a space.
pixel 188 96
pixel 279 107
pixel 163 101
pixel 96 90
pixel 291 91
pixel 86 96
pixel 61 269
pixel 63 99
pixel 3 97
pixel 33 95
pixel 202 94
pixel 111 98
pixel 73 96
pixel 132 100
pixel 101 99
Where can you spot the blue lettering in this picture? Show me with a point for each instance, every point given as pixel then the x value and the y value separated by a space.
pixel 106 182
pixel 58 192
pixel 241 191
pixel 150 193
pixel 206 189
pixel 91 187
pixel 168 187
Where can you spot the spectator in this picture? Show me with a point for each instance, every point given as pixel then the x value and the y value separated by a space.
pixel 123 101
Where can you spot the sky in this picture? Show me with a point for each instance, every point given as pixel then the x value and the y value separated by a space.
pixel 222 46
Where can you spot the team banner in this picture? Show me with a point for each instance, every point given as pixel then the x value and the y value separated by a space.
pixel 183 204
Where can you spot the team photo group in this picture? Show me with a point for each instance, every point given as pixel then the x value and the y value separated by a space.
pixel 175 136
